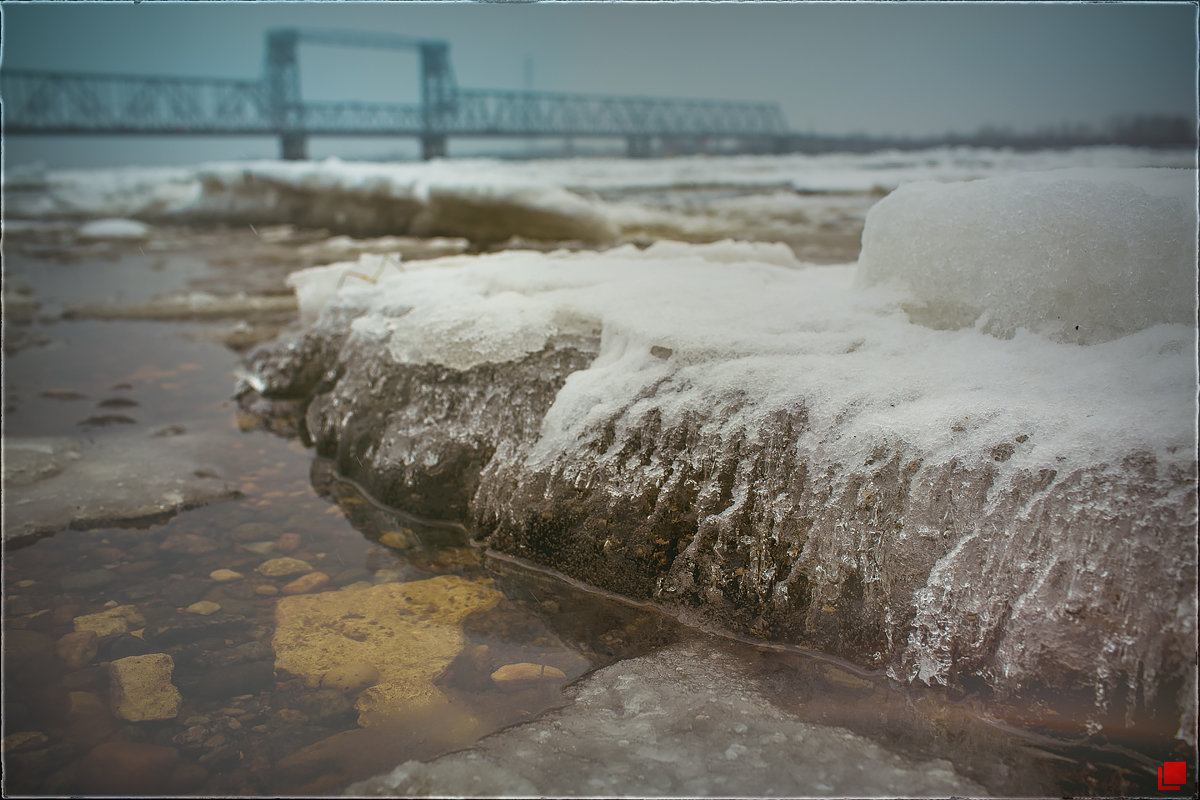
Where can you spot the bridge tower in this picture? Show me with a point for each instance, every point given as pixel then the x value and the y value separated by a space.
pixel 438 91
pixel 283 93
pixel 437 96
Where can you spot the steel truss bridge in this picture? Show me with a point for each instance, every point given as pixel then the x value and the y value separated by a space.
pixel 43 102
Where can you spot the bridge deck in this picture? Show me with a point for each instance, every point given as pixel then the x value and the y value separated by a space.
pixel 38 102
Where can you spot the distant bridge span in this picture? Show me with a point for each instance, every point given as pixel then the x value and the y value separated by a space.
pixel 45 102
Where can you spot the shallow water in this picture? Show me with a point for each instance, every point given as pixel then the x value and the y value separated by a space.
pixel 248 727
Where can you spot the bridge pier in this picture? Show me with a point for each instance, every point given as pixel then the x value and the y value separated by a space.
pixel 293 146
pixel 637 147
pixel 433 146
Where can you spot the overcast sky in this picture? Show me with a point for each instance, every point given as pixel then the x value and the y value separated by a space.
pixel 889 68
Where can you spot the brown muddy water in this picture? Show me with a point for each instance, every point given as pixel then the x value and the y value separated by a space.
pixel 283 688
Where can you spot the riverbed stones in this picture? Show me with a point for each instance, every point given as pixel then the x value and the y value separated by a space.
pixel 306 584
pixel 397 540
pixel 288 543
pixel 409 632
pixel 78 648
pixel 225 575
pixel 514 677
pixel 283 567
pixel 140 688
pixel 121 619
pixel 204 608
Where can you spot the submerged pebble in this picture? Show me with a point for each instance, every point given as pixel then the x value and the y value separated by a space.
pixel 305 584
pixel 225 575
pixel 204 608
pixel 283 567
pixel 513 677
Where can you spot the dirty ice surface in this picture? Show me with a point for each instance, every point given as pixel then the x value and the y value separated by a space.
pixel 688 720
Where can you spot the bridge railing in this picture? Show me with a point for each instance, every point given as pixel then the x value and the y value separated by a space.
pixel 334 118
pixel 57 102
pixel 486 111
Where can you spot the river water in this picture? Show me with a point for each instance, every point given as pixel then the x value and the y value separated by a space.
pixel 255 720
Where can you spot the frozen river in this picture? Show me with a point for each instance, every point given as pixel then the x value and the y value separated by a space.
pixel 322 640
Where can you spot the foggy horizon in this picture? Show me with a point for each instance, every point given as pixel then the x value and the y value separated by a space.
pixel 916 70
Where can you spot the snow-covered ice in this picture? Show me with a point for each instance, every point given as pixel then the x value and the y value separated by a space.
pixel 1081 255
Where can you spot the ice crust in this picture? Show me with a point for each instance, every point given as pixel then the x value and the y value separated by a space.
pixel 686 721
pixel 490 201
pixel 747 317
pixel 789 450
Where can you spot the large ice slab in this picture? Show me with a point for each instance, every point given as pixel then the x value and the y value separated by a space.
pixel 686 721
pixel 54 483
pixel 779 448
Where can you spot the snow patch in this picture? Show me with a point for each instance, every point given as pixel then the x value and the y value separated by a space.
pixel 1079 255
pixel 129 229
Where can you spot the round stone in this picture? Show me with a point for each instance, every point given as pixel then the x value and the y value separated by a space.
pixel 397 540
pixel 225 575
pixel 282 567
pixel 512 677
pixel 204 608
pixel 306 584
